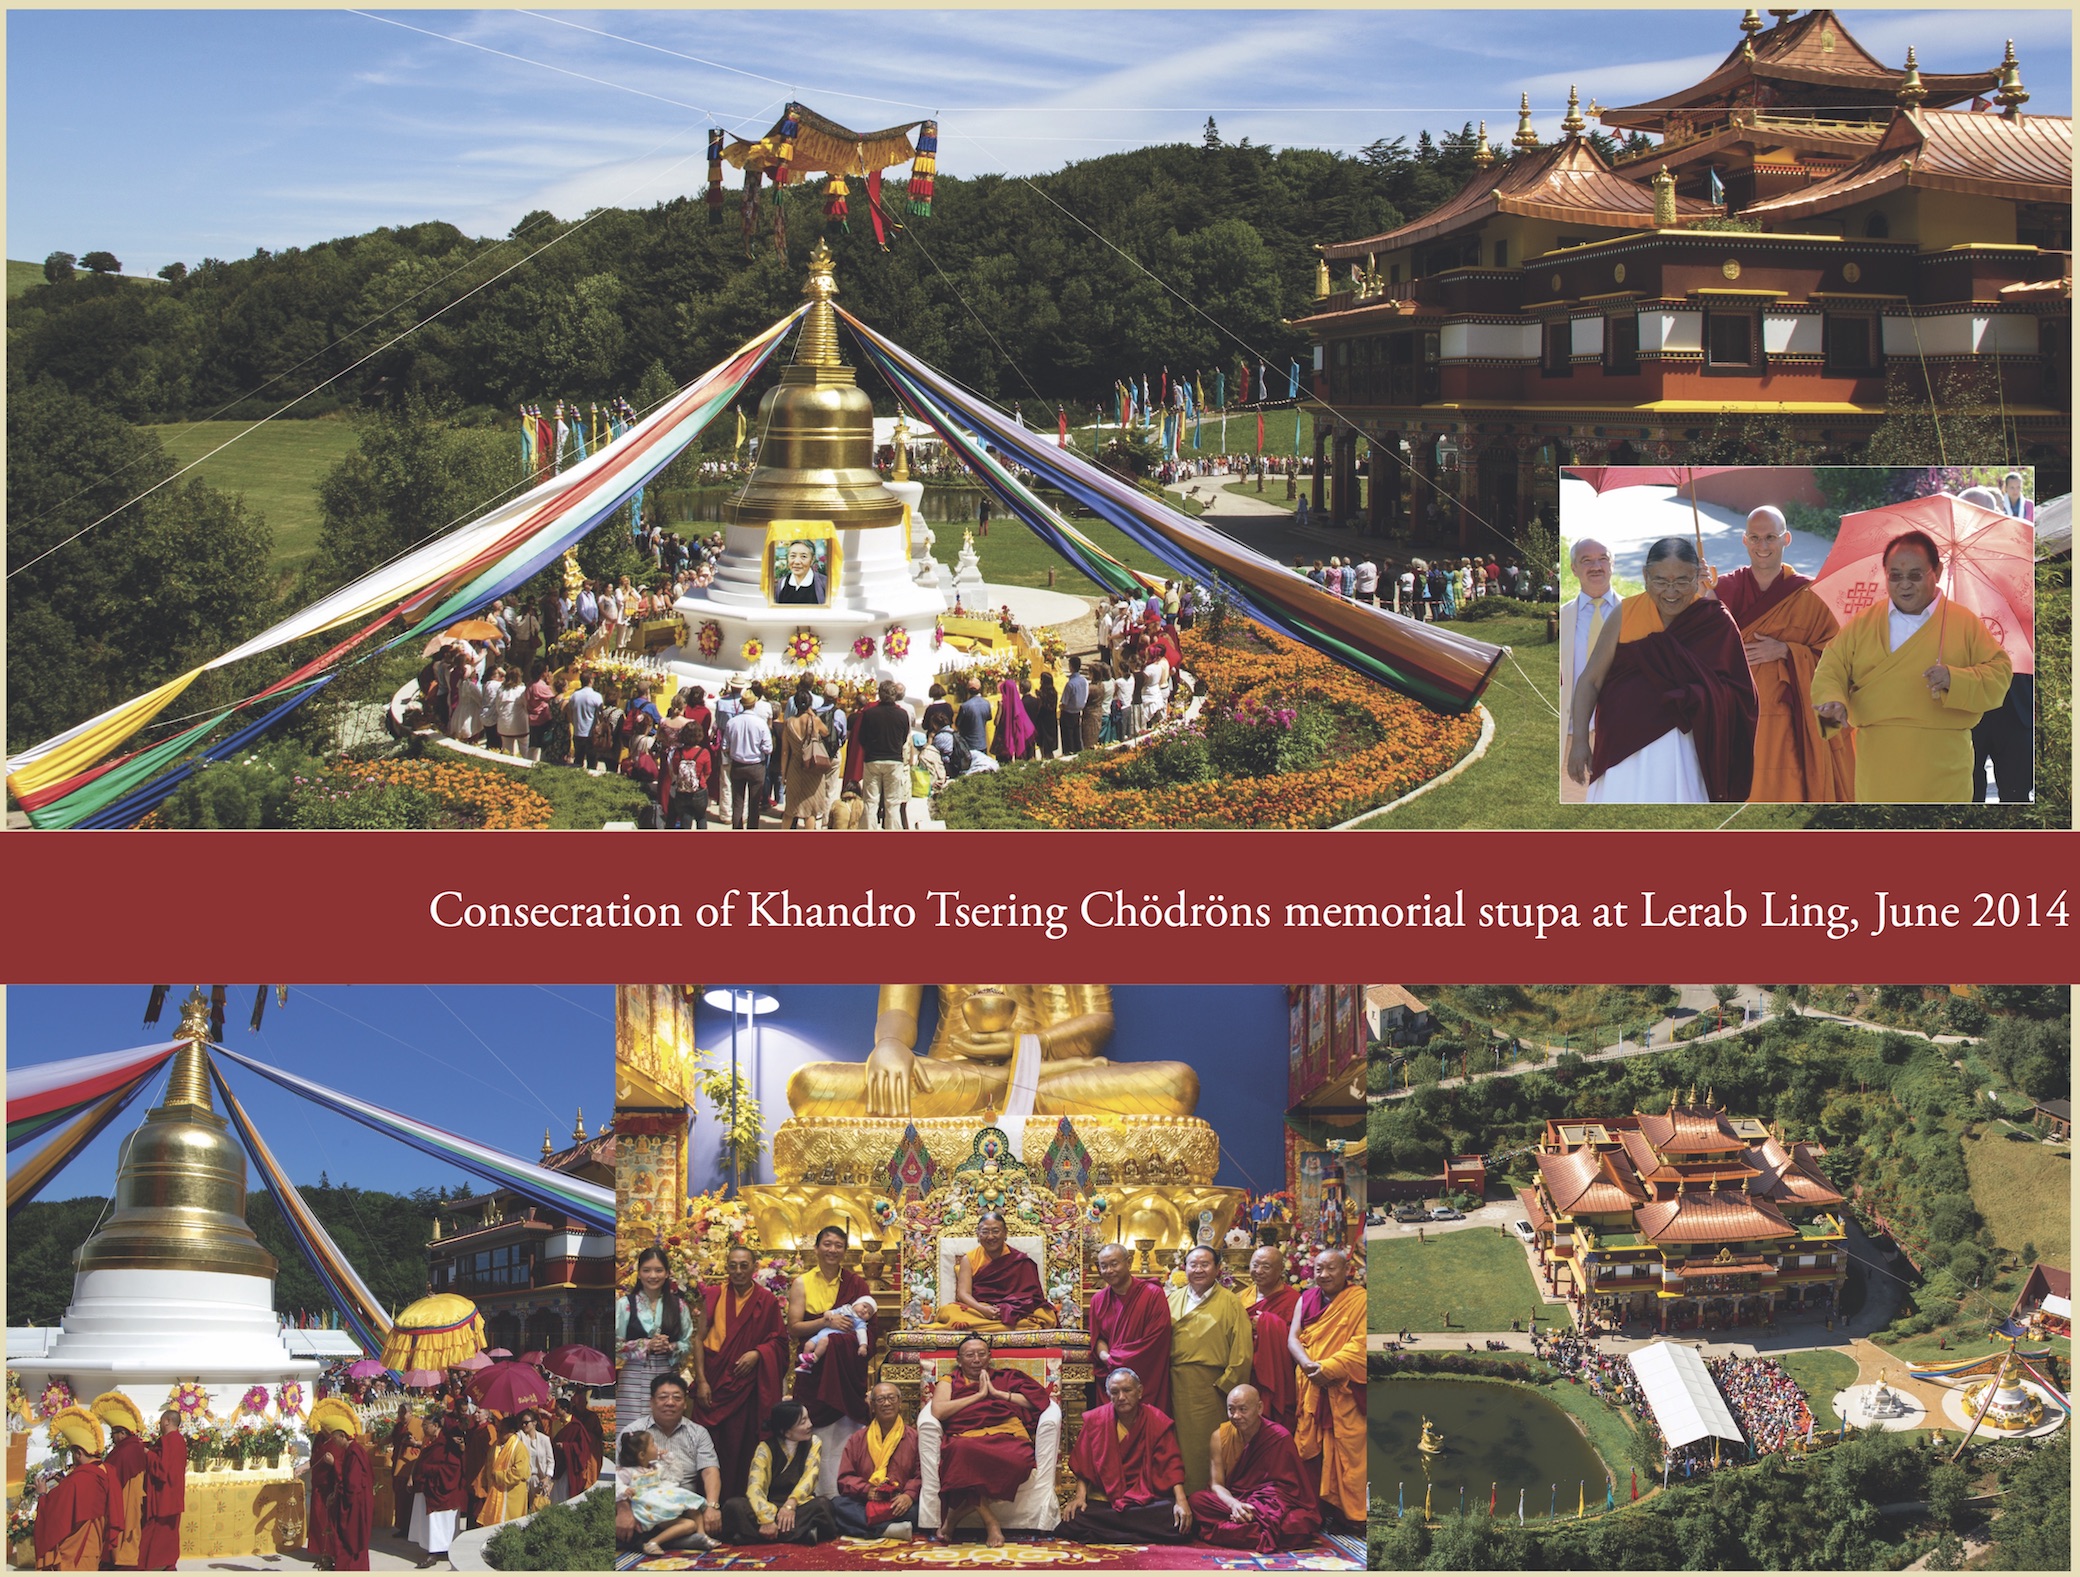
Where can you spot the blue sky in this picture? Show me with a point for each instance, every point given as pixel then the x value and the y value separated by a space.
pixel 431 1052
pixel 175 135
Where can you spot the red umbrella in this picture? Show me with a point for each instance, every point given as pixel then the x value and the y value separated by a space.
pixel 1988 566
pixel 365 1369
pixel 425 1379
pixel 580 1365
pixel 477 1360
pixel 508 1388
pixel 1605 477
pixel 533 1356
pixel 498 1352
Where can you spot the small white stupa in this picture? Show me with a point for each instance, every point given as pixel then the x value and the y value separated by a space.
pixel 818 548
pixel 175 1287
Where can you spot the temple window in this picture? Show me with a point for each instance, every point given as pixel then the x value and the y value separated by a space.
pixel 1621 343
pixel 1559 349
pixel 1877 227
pixel 1729 339
pixel 1502 254
pixel 1848 337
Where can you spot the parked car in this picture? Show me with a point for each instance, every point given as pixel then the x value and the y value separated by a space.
pixel 1523 1230
pixel 1446 1213
pixel 1409 1214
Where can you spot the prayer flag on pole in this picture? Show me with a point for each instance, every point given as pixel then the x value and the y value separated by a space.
pixel 1061 419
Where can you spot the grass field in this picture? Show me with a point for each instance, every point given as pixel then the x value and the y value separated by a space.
pixel 1478 1276
pixel 1928 1349
pixel 277 467
pixel 23 276
pixel 1820 1374
pixel 2024 1190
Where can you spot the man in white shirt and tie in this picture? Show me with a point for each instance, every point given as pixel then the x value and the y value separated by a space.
pixel 1581 621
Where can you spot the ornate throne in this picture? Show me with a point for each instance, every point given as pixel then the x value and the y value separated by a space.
pixel 936 1231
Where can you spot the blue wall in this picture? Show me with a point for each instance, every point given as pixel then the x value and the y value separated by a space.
pixel 1234 1035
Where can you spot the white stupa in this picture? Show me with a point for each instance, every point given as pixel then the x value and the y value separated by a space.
pixel 175 1286
pixel 816 542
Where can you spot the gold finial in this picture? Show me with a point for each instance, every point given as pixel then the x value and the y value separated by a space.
pixel 1784 16
pixel 187 1084
pixel 1483 155
pixel 1911 92
pixel 1526 139
pixel 1321 277
pixel 1748 49
pixel 1751 22
pixel 1572 123
pixel 901 437
pixel 820 330
pixel 1664 200
pixel 2012 95
pixel 548 1149
pixel 578 1128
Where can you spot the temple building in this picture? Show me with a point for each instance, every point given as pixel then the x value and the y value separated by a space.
pixel 540 1280
pixel 1808 219
pixel 1686 1219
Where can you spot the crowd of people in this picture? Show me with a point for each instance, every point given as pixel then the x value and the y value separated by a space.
pixel 1770 1407
pixel 1608 1375
pixel 1235 1418
pixel 1423 589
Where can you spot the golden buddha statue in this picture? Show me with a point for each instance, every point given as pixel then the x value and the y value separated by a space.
pixel 967 1069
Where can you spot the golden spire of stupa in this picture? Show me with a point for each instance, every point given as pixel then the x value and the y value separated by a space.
pixel 1911 92
pixel 820 330
pixel 1483 155
pixel 1572 123
pixel 1526 139
pixel 2011 95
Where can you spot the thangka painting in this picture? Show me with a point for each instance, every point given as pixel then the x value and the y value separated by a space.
pixel 1315 1067
pixel 1296 1042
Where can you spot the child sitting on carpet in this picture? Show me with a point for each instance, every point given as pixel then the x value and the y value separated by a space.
pixel 664 1509
pixel 861 1313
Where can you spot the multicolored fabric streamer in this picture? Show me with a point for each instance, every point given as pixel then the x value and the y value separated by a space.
pixel 92 1116
pixel 590 1204
pixel 43 1095
pixel 357 1306
pixel 57 781
pixel 1441 669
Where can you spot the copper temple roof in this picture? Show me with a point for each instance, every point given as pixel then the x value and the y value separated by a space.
pixel 2027 159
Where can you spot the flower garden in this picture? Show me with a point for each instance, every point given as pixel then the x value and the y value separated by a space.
pixel 1286 738
pixel 285 789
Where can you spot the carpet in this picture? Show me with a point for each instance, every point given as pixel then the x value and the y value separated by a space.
pixel 871 1555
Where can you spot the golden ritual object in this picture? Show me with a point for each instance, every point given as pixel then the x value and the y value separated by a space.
pixel 180 1201
pixel 816 426
pixel 1432 1442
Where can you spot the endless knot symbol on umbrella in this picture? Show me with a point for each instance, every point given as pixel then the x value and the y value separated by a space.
pixel 1860 596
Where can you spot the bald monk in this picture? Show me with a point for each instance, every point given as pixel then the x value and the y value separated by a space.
pixel 1130 1325
pixel 1913 675
pixel 1784 629
pixel 1260 1498
pixel 126 1462
pixel 1328 1345
pixel 737 1360
pixel 1126 1452
pixel 996 1287
pixel 78 1518
pixel 165 1496
pixel 967 1069
pixel 1269 1302
pixel 988 1416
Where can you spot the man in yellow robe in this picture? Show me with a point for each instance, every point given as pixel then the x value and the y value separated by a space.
pixel 1328 1344
pixel 1211 1346
pixel 1785 629
pixel 1912 675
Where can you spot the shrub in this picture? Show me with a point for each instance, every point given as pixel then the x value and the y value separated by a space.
pixel 574 1536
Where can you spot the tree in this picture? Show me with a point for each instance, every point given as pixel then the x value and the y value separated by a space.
pixel 101 263
pixel 1211 138
pixel 174 273
pixel 57 268
pixel 1949 1487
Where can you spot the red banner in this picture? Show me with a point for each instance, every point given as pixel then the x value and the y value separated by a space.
pixel 1992 907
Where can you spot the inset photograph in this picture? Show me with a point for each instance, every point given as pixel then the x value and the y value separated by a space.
pixel 1799 635
pixel 395 1350
pixel 981 1275
pixel 1790 1264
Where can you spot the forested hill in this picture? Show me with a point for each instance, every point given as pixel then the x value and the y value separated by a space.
pixel 662 292
pixel 382 1235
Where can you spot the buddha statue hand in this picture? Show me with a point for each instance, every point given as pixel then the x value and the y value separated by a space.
pixel 892 1073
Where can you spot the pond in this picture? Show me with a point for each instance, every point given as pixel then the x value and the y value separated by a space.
pixel 1503 1435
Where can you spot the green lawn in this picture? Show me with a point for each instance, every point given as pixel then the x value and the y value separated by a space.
pixel 2024 1190
pixel 277 467
pixel 1480 1277
pixel 1820 1374
pixel 23 276
pixel 1928 1349
pixel 1012 556
pixel 1517 784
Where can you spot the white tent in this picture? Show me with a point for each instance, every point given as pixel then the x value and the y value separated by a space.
pixel 2054 1304
pixel 1687 1405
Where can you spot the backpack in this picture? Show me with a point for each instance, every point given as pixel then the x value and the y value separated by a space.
pixel 963 757
pixel 687 777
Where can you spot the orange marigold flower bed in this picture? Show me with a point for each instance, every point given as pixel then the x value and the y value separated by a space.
pixel 480 796
pixel 1415 745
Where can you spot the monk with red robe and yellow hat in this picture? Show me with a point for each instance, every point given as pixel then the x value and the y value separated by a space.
pixel 79 1518
pixel 126 1462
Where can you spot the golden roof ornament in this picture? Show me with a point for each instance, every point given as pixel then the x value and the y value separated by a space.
pixel 1572 123
pixel 1664 200
pixel 578 1128
pixel 820 328
pixel 1911 92
pixel 1748 49
pixel 1483 155
pixel 1784 16
pixel 1751 22
pixel 2012 95
pixel 1526 139
pixel 548 1148
pixel 901 438
pixel 1321 278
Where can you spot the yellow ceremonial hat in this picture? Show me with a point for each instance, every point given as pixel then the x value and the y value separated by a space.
pixel 118 1412
pixel 334 1413
pixel 75 1426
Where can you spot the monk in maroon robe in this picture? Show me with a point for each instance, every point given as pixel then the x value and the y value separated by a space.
pixel 879 1473
pixel 1260 1498
pixel 988 1417
pixel 1127 1452
pixel 165 1497
pixel 126 1462
pixel 837 1386
pixel 1130 1327
pixel 1270 1303
pixel 580 1448
pixel 407 1440
pixel 996 1287
pixel 79 1518
pixel 439 1471
pixel 736 1367
pixel 318 1536
pixel 354 1503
